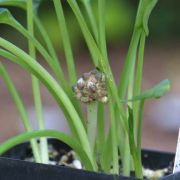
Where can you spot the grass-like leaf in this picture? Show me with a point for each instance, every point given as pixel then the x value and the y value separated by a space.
pixel 55 89
pixel 21 108
pixel 144 11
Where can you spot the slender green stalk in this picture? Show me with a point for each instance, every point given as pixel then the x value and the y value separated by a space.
pixel 102 33
pixel 114 145
pixel 48 42
pixel 84 156
pixel 106 158
pixel 92 123
pixel 36 87
pixel 101 136
pixel 54 55
pixel 11 57
pixel 139 135
pixel 92 20
pixel 58 72
pixel 136 150
pixel 56 69
pixel 21 108
pixel 87 35
pixel 129 61
pixel 66 41
pixel 133 149
pixel 130 88
pixel 138 77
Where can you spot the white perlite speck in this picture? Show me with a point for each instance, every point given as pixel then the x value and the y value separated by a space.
pixel 77 164
pixel 177 158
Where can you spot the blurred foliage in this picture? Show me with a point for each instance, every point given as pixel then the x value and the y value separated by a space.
pixel 164 24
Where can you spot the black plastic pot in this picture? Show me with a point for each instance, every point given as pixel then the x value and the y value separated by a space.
pixel 13 169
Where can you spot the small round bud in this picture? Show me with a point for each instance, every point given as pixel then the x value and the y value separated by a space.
pixel 80 83
pixel 91 86
pixel 104 99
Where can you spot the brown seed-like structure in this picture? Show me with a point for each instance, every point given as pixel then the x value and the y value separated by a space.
pixel 91 87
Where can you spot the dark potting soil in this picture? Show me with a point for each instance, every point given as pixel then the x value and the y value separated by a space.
pixel 59 153
pixel 155 164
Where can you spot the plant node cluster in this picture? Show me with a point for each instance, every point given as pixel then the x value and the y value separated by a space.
pixel 91 87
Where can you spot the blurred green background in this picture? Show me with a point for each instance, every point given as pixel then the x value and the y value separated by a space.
pixel 164 25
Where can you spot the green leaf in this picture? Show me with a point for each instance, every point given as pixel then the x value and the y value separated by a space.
pixel 70 141
pixel 20 3
pixel 144 11
pixel 131 130
pixel 156 92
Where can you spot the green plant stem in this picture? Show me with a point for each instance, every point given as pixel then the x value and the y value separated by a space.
pixel 56 69
pixel 47 41
pixel 129 61
pixel 36 87
pixel 92 124
pixel 102 33
pixel 133 149
pixel 126 159
pixel 21 108
pixel 136 151
pixel 66 41
pixel 139 73
pixel 92 20
pixel 55 89
pixel 101 131
pixel 139 135
pixel 70 141
pixel 114 145
pixel 106 158
pixel 137 165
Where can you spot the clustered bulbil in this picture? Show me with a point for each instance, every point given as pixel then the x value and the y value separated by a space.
pixel 91 87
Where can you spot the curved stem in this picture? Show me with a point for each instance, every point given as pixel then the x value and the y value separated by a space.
pixel 21 108
pixel 55 89
pixel 66 41
pixel 92 123
pixel 56 69
pixel 87 5
pixel 47 40
pixel 130 59
pixel 139 73
pixel 70 141
pixel 54 55
pixel 36 87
